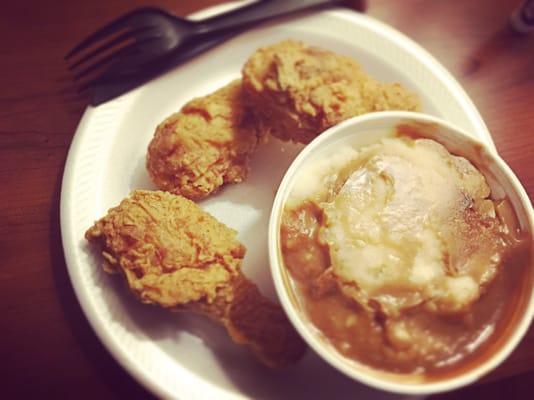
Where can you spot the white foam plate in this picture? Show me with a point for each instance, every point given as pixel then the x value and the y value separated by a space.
pixel 188 357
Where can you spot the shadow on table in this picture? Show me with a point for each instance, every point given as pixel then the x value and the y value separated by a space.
pixel 503 44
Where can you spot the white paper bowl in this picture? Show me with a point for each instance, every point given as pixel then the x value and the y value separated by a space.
pixel 364 130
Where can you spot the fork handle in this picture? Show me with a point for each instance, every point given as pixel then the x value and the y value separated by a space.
pixel 260 11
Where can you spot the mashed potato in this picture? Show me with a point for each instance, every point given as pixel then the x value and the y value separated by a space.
pixel 407 227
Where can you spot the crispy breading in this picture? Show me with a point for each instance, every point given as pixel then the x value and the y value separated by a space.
pixel 205 145
pixel 175 255
pixel 299 91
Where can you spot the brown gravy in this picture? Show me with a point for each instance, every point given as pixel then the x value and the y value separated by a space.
pixel 438 345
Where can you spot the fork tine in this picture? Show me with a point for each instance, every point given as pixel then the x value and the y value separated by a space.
pixel 106 77
pixel 108 29
pixel 125 56
pixel 116 41
pixel 114 72
pixel 107 59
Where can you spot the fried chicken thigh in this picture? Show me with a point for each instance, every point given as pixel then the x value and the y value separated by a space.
pixel 173 254
pixel 299 91
pixel 205 145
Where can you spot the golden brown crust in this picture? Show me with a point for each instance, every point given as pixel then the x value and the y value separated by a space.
pixel 170 251
pixel 205 145
pixel 256 322
pixel 175 255
pixel 299 91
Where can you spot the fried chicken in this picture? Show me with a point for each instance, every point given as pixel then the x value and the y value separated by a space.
pixel 205 145
pixel 300 91
pixel 175 255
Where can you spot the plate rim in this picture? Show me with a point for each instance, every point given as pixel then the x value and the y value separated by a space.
pixel 97 324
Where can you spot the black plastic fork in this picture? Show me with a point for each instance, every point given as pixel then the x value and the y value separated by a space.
pixel 143 42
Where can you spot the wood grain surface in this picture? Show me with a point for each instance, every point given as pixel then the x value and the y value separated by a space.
pixel 46 345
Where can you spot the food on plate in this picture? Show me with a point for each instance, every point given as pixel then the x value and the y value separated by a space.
pixel 400 255
pixel 174 255
pixel 299 91
pixel 205 145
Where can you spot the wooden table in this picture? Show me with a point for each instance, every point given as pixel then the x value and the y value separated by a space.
pixel 47 346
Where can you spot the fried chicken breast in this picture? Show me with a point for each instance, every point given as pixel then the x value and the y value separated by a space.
pixel 205 145
pixel 174 255
pixel 299 91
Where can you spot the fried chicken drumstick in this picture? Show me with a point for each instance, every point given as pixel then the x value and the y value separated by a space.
pixel 173 254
